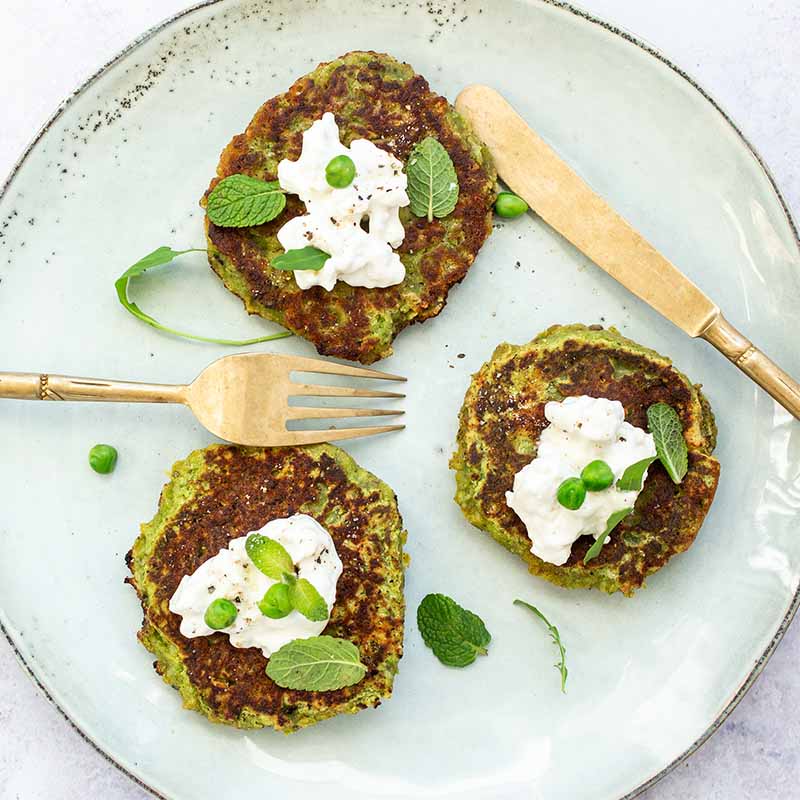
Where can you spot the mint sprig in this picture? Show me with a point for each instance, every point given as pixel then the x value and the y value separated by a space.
pixel 302 258
pixel 556 636
pixel 307 600
pixel 631 480
pixel 432 180
pixel 456 635
pixel 240 201
pixel 159 257
pixel 269 555
pixel 317 664
pixel 612 523
pixel 665 425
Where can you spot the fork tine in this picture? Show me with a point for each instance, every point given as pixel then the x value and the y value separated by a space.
pixel 310 390
pixel 333 434
pixel 300 364
pixel 306 412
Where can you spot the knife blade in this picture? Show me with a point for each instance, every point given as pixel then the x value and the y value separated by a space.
pixel 534 171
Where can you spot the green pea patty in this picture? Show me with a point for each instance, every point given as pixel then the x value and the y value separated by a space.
pixel 373 97
pixel 503 416
pixel 224 492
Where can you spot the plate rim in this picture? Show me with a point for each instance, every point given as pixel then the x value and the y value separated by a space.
pixel 588 17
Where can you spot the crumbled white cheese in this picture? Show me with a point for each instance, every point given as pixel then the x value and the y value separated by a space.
pixel 582 429
pixel 232 575
pixel 334 220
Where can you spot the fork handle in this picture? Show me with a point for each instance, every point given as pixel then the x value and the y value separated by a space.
pixel 32 386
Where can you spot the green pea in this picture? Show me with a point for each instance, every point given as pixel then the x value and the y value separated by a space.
pixel 340 172
pixel 571 493
pixel 220 614
pixel 276 603
pixel 103 458
pixel 597 475
pixel 509 205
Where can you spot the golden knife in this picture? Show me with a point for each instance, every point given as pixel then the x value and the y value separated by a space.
pixel 561 198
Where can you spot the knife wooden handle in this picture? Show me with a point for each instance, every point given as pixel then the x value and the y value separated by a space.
pixel 755 364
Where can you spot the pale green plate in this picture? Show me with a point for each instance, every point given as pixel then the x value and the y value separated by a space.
pixel 119 170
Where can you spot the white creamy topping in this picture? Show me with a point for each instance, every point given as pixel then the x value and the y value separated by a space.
pixel 232 575
pixel 333 222
pixel 582 429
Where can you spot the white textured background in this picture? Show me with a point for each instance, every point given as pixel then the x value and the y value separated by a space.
pixel 744 52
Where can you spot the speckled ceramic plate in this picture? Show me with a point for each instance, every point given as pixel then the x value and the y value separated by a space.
pixel 119 170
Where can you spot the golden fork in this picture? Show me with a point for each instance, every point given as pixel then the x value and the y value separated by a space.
pixel 241 398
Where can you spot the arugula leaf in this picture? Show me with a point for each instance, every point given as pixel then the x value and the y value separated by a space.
pixel 631 479
pixel 303 258
pixel 612 523
pixel 432 180
pixel 317 664
pixel 159 257
pixel 665 425
pixel 562 664
pixel 240 201
pixel 270 556
pixel 308 601
pixel 455 635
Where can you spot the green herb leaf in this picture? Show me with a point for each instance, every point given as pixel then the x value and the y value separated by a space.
pixel 562 664
pixel 317 664
pixel 240 201
pixel 432 180
pixel 455 635
pixel 612 523
pixel 308 601
pixel 303 258
pixel 159 257
pixel 269 556
pixel 631 479
pixel 665 425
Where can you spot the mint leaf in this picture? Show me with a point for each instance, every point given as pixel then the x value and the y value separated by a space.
pixel 308 601
pixel 612 523
pixel 455 635
pixel 269 556
pixel 159 257
pixel 240 201
pixel 562 664
pixel 665 425
pixel 432 180
pixel 631 479
pixel 303 258
pixel 317 664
